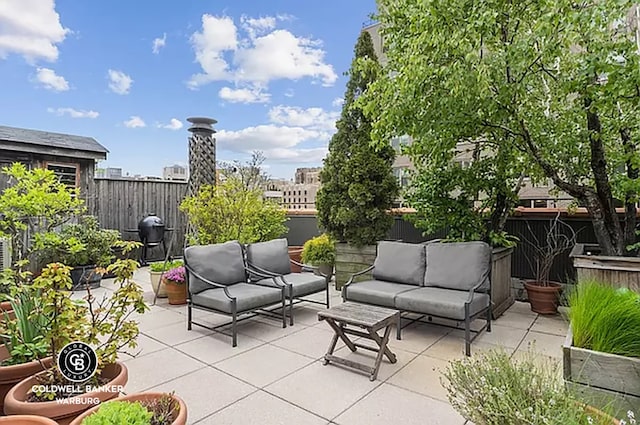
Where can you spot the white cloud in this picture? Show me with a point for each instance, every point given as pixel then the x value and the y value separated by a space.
pixel 262 55
pixel 337 102
pixel 244 95
pixel 313 118
pixel 268 137
pixel 296 156
pixel 119 82
pixel 50 80
pixel 135 122
pixel 30 28
pixel 174 124
pixel 159 43
pixel 73 113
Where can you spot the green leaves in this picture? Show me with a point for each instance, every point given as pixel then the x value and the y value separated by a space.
pixel 319 250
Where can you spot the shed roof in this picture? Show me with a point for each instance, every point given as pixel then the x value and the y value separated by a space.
pixel 27 140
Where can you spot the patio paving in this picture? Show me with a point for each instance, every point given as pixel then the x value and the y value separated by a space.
pixel 275 376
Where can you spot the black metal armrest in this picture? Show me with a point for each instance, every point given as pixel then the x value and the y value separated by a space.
pixel 207 281
pixel 475 290
pixel 361 272
pixel 306 266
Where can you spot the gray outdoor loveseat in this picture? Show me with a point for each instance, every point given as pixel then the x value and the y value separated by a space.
pixel 444 280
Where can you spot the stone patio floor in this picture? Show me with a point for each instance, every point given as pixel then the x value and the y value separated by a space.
pixel 275 376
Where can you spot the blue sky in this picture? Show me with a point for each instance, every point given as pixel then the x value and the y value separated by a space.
pixel 129 73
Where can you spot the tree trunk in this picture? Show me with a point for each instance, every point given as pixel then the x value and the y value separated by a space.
pixel 630 210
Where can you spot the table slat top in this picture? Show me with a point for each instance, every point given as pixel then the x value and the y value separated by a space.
pixel 358 314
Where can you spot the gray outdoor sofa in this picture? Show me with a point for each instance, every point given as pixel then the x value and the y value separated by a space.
pixel 444 280
pixel 218 281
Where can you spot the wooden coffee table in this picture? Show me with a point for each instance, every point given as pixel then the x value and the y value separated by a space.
pixel 344 317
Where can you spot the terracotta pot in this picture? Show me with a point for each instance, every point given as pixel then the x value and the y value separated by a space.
pixel 179 418
pixel 5 307
pixel 64 412
pixel 295 253
pixel 543 299
pixel 176 292
pixel 11 375
pixel 26 420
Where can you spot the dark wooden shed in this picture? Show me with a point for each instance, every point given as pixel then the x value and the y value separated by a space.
pixel 72 158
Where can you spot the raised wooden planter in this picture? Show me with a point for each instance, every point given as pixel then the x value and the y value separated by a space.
pixel 617 271
pixel 600 379
pixel 351 259
pixel 501 293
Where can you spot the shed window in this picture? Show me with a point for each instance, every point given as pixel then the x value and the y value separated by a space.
pixel 67 173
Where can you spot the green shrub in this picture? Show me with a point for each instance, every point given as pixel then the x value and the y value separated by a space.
pixel 319 250
pixel 160 266
pixel 120 412
pixel 605 319
pixel 492 389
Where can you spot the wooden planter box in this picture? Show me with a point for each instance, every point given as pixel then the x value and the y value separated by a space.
pixel 351 259
pixel 600 379
pixel 501 292
pixel 617 271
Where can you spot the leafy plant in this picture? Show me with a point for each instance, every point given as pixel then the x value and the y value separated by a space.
pixel 176 275
pixel 319 250
pixel 120 412
pixel 605 318
pixel 164 409
pixel 493 389
pixel 81 244
pixel 231 211
pixel 358 186
pixel 161 266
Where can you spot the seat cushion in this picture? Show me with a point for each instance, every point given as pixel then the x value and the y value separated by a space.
pixel 441 302
pixel 459 265
pixel 400 262
pixel 221 263
pixel 248 297
pixel 376 292
pixel 272 256
pixel 303 283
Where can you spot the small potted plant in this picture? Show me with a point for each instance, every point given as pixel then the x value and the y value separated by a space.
pixel 544 294
pixel 175 282
pixel 156 271
pixel 320 252
pixel 139 408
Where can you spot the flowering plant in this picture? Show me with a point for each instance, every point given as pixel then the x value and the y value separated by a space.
pixel 176 275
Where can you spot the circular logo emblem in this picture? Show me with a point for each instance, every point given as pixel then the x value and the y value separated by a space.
pixel 77 361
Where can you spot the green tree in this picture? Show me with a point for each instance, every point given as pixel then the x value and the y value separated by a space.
pixel 358 186
pixel 554 83
pixel 231 211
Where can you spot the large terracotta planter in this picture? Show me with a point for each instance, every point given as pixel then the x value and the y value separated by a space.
pixel 295 254
pixel 26 420
pixel 179 418
pixel 543 299
pixel 64 412
pixel 11 375
pixel 176 292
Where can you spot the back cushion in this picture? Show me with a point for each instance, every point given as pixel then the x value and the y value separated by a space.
pixel 400 262
pixel 459 265
pixel 221 263
pixel 272 256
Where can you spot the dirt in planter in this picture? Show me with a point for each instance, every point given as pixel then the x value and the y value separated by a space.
pixel 164 409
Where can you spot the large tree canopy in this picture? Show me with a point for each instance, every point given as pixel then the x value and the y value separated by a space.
pixel 550 86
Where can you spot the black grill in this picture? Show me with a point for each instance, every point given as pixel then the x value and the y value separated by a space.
pixel 151 231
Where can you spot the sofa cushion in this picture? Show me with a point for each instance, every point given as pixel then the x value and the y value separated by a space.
pixel 248 297
pixel 272 255
pixel 400 262
pixel 441 302
pixel 221 263
pixel 301 283
pixel 459 265
pixel 376 292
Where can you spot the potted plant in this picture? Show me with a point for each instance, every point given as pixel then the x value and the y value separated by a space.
pixel 544 294
pixel 175 282
pixel 602 349
pixel 26 420
pixel 103 323
pixel 493 389
pixel 139 408
pixel 358 187
pixel 321 252
pixel 156 270
pixel 83 246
